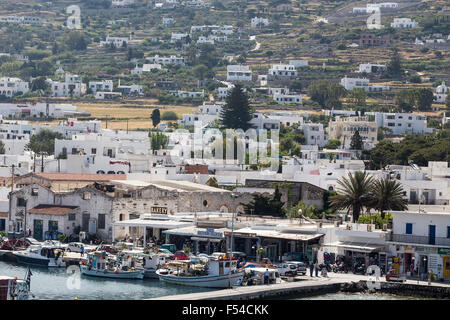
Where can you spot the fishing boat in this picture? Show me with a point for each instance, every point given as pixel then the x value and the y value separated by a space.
pixel 12 288
pixel 104 265
pixel 212 274
pixel 45 255
pixel 152 262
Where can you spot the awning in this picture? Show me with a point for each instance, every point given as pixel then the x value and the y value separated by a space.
pixel 357 247
pixel 279 235
pixel 150 223
pixel 192 231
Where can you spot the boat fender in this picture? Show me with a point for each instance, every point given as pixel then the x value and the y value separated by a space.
pixel 116 272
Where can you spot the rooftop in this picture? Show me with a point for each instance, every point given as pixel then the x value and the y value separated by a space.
pixel 52 209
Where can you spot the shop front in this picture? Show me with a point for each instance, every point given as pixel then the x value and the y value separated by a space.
pixel 352 254
pixel 445 255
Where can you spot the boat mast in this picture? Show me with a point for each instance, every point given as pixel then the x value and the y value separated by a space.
pixel 231 243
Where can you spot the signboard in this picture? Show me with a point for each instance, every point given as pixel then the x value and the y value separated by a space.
pixel 425 250
pixel 209 233
pixel 445 251
pixel 159 210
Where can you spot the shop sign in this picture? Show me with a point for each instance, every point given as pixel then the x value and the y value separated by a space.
pixel 425 250
pixel 209 233
pixel 159 210
pixel 444 251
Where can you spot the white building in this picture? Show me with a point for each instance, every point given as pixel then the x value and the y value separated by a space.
pixel 146 67
pixel 178 37
pixel 441 93
pixel 116 41
pixel 131 90
pixel 172 60
pixel 188 94
pixel 402 122
pixel 239 73
pixel 256 22
pixel 12 86
pixel 203 39
pixel 168 22
pixel 352 83
pixel 287 98
pixel 283 70
pixel 108 95
pixel 39 110
pixel 404 23
pixel 104 85
pixel 122 3
pixel 72 86
pixel 371 67
pixel 314 134
pixel 422 240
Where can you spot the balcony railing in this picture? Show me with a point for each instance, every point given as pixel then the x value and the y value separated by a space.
pixel 409 238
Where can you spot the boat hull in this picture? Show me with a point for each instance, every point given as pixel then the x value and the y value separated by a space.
pixel 220 281
pixel 150 274
pixel 139 274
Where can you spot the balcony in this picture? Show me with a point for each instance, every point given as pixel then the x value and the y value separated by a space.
pixel 409 238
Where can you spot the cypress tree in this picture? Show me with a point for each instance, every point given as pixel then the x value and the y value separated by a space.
pixel 236 113
pixel 156 117
pixel 356 143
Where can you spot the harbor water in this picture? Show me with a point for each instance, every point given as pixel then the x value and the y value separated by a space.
pixel 60 284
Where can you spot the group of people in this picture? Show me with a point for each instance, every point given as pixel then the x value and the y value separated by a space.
pixel 314 268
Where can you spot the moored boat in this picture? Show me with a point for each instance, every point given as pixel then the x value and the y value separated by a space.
pixel 101 264
pixel 41 255
pixel 212 274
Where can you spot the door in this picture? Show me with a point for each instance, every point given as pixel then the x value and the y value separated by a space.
pixel 92 225
pixel 38 229
pixel 446 267
pixel 53 226
pixel 85 222
pixel 431 234
pixel 2 224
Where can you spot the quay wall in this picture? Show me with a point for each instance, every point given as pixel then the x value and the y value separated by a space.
pixel 409 289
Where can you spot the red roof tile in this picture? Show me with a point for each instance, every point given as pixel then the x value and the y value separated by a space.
pixel 51 209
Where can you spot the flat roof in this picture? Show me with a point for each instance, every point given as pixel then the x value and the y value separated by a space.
pixel 279 235
pixel 359 247
pixel 152 223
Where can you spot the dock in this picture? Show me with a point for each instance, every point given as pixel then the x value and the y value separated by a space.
pixel 317 286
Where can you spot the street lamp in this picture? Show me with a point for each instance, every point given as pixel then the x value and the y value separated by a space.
pixel 234 196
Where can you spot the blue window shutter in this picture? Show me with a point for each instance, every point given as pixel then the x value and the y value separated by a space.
pixel 448 232
pixel 409 228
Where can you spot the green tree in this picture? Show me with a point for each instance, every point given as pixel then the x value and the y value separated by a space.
pixel 156 117
pixel 424 98
pixel 263 205
pixel 447 102
pixel 394 67
pixel 76 41
pixel 405 100
pixel 158 141
pixel 236 113
pixel 333 144
pixel 326 94
pixel 44 141
pixel 358 96
pixel 388 195
pixel 39 84
pixel 354 193
pixel 2 147
pixel 169 116
pixel 212 182
pixel 357 142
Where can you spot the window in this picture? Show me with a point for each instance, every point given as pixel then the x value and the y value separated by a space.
pixel 86 195
pixel 72 217
pixel 409 228
pixel 93 151
pixel 448 232
pixel 101 221
pixel 34 191
pixel 21 202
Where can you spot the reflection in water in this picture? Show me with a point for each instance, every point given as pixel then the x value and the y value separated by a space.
pixel 57 283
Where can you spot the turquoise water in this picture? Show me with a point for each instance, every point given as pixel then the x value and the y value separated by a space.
pixel 57 284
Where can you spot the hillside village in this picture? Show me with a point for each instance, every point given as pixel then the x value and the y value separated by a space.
pixel 114 118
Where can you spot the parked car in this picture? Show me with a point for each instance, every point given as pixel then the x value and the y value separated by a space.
pixel 287 269
pixel 180 255
pixel 76 247
pixel 301 266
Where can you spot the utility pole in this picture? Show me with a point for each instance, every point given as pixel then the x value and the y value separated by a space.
pixel 42 161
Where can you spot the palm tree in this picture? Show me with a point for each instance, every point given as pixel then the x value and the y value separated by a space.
pixel 354 193
pixel 388 195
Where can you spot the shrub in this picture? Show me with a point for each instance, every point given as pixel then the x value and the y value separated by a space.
pixel 169 115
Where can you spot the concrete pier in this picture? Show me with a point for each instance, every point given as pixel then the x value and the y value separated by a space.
pixel 317 286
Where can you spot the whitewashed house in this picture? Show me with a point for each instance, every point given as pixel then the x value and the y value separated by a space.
pixel 239 73
pixel 178 37
pixel 257 22
pixel 371 67
pixel 404 23
pixel 402 122
pixel 283 70
pixel 287 98
pixel 352 83
pixel 172 60
pixel 12 86
pixel 167 22
pixel 104 85
pixel 188 94
pixel 116 41
pixel 72 86
pixel 441 92
pixel 146 67
pixel 122 3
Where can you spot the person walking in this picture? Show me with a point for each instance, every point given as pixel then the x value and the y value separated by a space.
pixel 266 276
pixel 82 250
pixel 316 268
pixel 311 269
